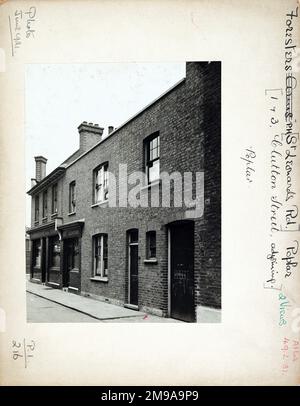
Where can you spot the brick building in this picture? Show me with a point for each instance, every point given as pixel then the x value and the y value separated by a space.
pixel 27 252
pixel 163 259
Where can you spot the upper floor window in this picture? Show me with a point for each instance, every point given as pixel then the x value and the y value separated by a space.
pixel 101 183
pixel 72 197
pixel 45 204
pixel 36 208
pixel 152 158
pixel 151 244
pixel 100 255
pixel 54 198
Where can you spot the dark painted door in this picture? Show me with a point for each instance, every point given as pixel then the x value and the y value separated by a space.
pixel 133 277
pixel 182 271
pixel 71 268
pixel 134 257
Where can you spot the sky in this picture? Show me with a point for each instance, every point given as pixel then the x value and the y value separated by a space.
pixel 59 97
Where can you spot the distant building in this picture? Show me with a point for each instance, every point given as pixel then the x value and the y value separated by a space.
pixel 27 251
pixel 163 260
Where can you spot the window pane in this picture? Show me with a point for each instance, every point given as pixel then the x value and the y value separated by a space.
pixel 105 270
pixel 155 153
pixel 55 252
pixel 37 202
pixel 37 253
pixel 98 246
pixel 133 236
pixel 72 197
pixel 151 244
pixel 105 184
pixel 54 199
pixel 44 204
pixel 104 246
pixel 150 154
pixel 154 171
pixel 105 256
pixel 97 258
pixel 98 266
pixel 101 184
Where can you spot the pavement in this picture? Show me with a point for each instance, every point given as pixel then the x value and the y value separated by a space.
pixel 40 310
pixel 45 304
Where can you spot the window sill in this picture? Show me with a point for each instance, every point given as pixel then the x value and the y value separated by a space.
pixel 44 219
pixel 36 223
pixel 54 215
pixel 99 279
pixel 150 261
pixel 149 185
pixel 72 213
pixel 104 203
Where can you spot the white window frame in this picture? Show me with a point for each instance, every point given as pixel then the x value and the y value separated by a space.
pixel 149 163
pixel 102 273
pixel 101 183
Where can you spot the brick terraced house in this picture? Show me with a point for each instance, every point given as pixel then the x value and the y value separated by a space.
pixel 162 259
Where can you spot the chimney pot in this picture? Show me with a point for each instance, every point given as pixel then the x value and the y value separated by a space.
pixel 110 129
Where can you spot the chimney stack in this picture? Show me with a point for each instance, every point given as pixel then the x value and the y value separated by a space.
pixel 110 129
pixel 89 135
pixel 40 167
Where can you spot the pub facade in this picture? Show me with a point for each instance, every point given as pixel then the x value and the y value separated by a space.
pixel 102 224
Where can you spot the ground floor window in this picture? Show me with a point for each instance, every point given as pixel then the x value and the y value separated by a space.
pixel 100 255
pixel 151 244
pixel 54 249
pixel 37 253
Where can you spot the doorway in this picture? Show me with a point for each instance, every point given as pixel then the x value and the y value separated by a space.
pixel 181 271
pixel 71 277
pixel 133 267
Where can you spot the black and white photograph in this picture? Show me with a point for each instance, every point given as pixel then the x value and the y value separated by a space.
pixel 149 182
pixel 123 167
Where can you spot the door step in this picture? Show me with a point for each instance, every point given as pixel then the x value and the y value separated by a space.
pixel 131 306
